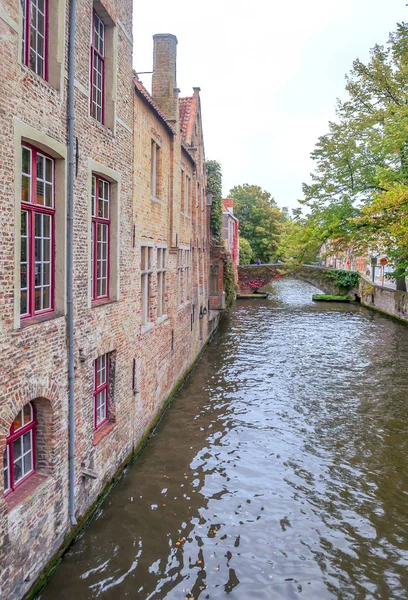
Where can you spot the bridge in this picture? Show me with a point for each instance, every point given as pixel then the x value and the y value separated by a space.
pixel 252 278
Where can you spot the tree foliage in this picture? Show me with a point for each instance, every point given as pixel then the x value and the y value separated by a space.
pixel 260 220
pixel 245 251
pixel 361 164
pixel 214 186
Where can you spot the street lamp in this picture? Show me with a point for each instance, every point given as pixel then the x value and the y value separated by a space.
pixel 373 265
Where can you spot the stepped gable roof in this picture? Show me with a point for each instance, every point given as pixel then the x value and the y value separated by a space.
pixel 188 108
pixel 143 93
pixel 184 110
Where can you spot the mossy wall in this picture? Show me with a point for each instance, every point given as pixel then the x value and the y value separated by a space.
pixel 385 300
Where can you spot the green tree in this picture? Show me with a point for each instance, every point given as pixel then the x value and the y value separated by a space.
pixel 260 220
pixel 362 162
pixel 245 251
pixel 214 186
pixel 301 240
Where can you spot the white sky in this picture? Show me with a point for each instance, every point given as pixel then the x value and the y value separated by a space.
pixel 269 73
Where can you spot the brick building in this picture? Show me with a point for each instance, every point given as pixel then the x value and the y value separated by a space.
pixel 140 263
pixel 230 232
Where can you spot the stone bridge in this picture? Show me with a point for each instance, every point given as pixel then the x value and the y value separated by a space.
pixel 252 278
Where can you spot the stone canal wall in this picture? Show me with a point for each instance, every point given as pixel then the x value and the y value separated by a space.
pixel 382 299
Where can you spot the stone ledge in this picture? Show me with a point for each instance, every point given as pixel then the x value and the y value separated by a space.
pixel 102 432
pixel 24 491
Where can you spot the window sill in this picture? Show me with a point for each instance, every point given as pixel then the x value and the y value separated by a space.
pixel 99 434
pixel 154 199
pixel 146 328
pixel 183 305
pixel 38 79
pixel 25 491
pixel 102 302
pixel 39 319
pixel 162 319
pixel 102 128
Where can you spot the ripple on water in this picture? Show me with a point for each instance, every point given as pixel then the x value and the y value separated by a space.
pixel 279 472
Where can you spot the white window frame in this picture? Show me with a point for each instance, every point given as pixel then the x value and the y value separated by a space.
pixel 146 270
pixel 179 276
pixel 161 280
pixel 187 261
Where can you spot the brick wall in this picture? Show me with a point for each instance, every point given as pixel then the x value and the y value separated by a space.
pixel 33 361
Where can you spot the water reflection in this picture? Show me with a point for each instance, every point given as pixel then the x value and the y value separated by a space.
pixel 279 472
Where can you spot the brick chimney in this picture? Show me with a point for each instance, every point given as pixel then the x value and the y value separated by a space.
pixel 229 203
pixel 164 81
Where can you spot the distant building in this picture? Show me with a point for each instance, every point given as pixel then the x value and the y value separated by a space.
pixel 349 260
pixel 230 231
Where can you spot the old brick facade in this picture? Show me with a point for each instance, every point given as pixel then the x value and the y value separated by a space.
pixel 148 317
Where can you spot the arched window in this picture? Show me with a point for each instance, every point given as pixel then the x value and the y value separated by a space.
pixel 19 456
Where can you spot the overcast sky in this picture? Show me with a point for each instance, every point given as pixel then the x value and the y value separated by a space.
pixel 269 73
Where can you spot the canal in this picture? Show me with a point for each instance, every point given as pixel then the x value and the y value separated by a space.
pixel 279 472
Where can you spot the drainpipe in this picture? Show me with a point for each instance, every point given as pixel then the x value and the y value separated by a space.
pixel 70 263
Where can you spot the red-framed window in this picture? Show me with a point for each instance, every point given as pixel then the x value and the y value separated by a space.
pixel 37 233
pixel 35 36
pixel 97 68
pixel 101 384
pixel 19 455
pixel 100 237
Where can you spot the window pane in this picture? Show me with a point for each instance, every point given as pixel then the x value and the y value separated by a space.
pixel 23 50
pixel 25 174
pixel 49 174
pixel 40 166
pixel 26 160
pixel 6 470
pixel 48 195
pixel 17 448
pixel 18 421
pixel 18 470
pixel 27 412
pixel 23 302
pixel 40 26
pixel 40 192
pixel 25 189
pixel 27 442
pixel 38 300
pixel 101 370
pixel 46 274
pixel 28 462
pixel 100 199
pixel 24 263
pixel 46 298
pixel 93 197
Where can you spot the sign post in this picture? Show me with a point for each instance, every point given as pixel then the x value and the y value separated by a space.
pixel 383 262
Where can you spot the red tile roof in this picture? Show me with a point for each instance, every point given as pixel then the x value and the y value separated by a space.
pixel 188 108
pixel 185 111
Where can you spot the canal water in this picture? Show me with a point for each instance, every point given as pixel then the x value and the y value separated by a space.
pixel 279 472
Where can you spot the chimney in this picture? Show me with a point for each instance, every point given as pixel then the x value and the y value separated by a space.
pixel 164 80
pixel 229 203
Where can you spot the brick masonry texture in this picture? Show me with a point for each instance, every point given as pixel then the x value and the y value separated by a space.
pixel 146 361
